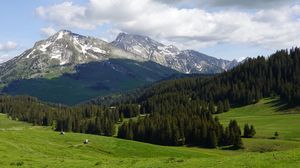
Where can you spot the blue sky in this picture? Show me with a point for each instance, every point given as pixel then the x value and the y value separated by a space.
pixel 228 29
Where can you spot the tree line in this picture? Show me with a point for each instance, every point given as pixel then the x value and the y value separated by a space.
pixel 256 78
pixel 178 112
pixel 175 119
pixel 83 118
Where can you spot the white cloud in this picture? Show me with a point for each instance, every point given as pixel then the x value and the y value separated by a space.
pixel 8 46
pixel 248 4
pixel 66 15
pixel 48 31
pixel 189 28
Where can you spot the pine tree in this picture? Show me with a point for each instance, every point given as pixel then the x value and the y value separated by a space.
pixel 252 131
pixel 247 131
pixel 220 107
pixel 235 135
pixel 212 140
pixel 121 117
pixel 226 105
pixel 212 108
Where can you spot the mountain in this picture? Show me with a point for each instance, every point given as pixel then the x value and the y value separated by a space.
pixel 91 80
pixel 186 61
pixel 70 68
pixel 64 50
pixel 254 79
pixel 58 54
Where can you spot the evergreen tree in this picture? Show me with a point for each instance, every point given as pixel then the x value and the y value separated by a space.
pixel 220 107
pixel 212 140
pixel 276 135
pixel 226 105
pixel 252 131
pixel 212 107
pixel 247 131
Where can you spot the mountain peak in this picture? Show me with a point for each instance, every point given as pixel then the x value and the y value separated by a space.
pixel 135 38
pixel 64 31
pixel 59 53
pixel 121 36
pixel 65 49
pixel 187 61
pixel 61 33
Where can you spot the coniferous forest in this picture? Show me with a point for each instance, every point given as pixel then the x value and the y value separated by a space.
pixel 175 112
pixel 90 119
pixel 277 75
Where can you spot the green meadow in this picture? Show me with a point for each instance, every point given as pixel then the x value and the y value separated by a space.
pixel 24 145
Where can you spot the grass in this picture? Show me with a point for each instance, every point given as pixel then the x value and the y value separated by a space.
pixel 267 118
pixel 23 145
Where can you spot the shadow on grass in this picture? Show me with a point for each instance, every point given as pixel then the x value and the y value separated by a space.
pixel 231 148
pixel 280 105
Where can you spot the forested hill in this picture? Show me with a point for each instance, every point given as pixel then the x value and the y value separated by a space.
pixel 179 111
pixel 256 78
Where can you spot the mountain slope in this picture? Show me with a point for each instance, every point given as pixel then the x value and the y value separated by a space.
pixel 91 80
pixel 187 61
pixel 64 50
pixel 58 54
pixel 256 78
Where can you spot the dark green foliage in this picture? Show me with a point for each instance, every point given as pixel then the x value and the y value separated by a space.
pixel 175 120
pixel 220 107
pixel 212 107
pixel 252 131
pixel 91 80
pixel 180 103
pixel 212 140
pixel 129 110
pixel 90 119
pixel 246 131
pixel 245 84
pixel 276 135
pixel 249 132
pixel 226 105
pixel 235 135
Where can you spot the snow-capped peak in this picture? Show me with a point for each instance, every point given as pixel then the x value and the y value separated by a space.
pixel 188 61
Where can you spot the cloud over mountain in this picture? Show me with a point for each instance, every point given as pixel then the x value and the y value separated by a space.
pixel 8 46
pixel 192 27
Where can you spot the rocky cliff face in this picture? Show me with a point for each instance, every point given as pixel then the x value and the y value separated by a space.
pixel 186 61
pixel 58 54
pixel 64 50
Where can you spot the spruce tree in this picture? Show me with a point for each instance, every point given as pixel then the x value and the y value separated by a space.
pixel 226 105
pixel 252 131
pixel 212 140
pixel 220 107
pixel 247 131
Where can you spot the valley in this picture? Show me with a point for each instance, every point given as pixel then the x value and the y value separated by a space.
pixel 24 145
pixel 150 84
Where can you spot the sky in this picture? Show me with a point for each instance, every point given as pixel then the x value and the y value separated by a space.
pixel 228 29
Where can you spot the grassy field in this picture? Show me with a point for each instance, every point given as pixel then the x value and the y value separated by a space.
pixel 267 117
pixel 23 145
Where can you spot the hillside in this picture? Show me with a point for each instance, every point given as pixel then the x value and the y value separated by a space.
pixel 245 84
pixel 39 143
pixel 64 50
pixel 91 80
pixel 58 54
pixel 268 116
pixel 43 71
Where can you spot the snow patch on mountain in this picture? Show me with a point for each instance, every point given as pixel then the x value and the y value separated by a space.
pixel 187 61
